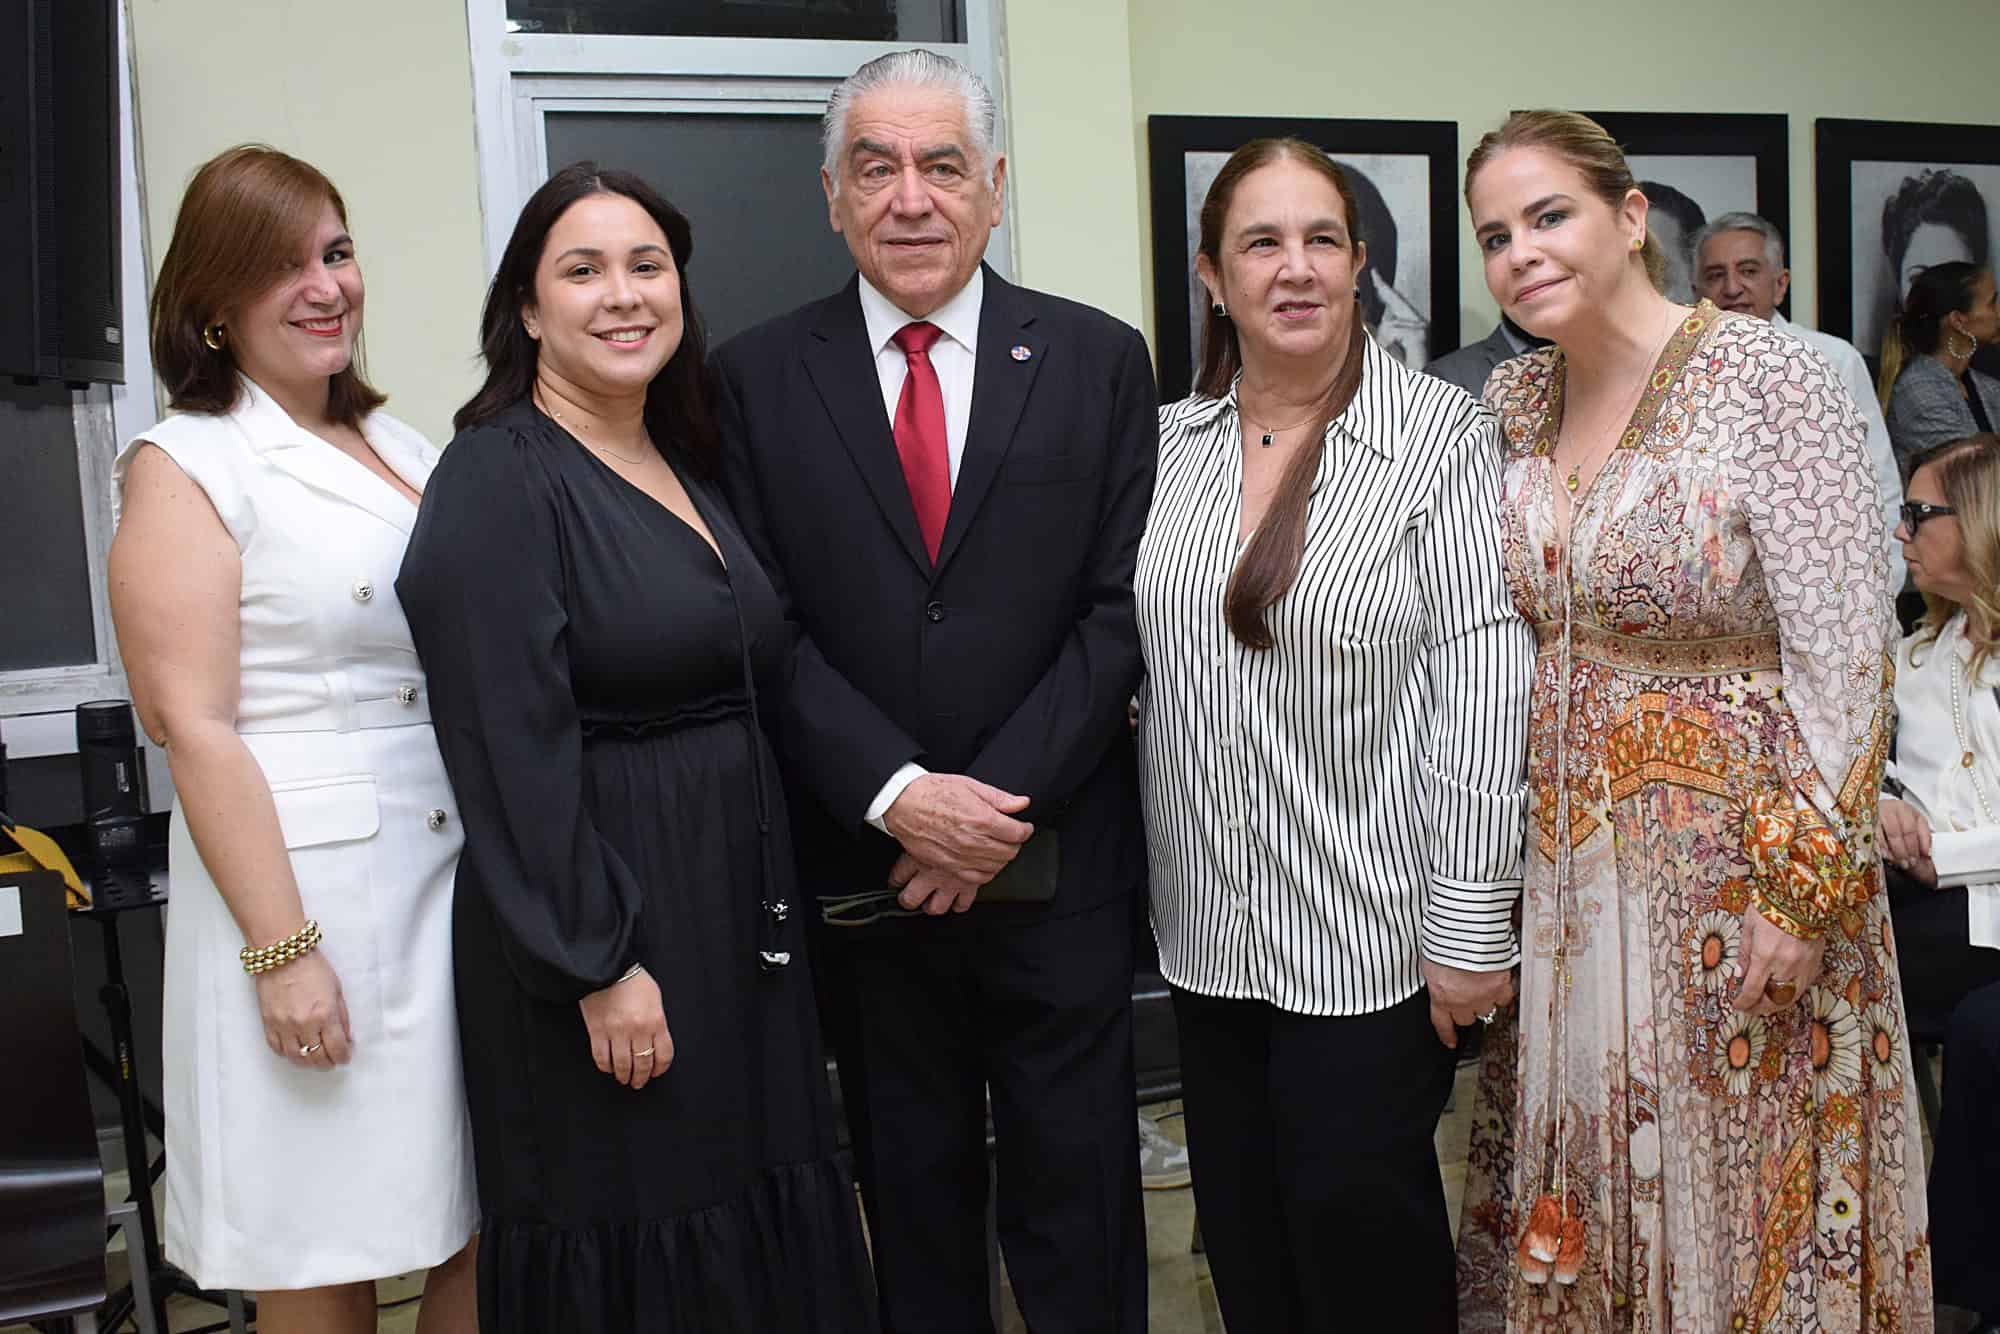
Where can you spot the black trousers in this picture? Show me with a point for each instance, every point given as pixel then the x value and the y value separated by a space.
pixel 927 1017
pixel 1315 1172
pixel 1935 956
pixel 1965 1167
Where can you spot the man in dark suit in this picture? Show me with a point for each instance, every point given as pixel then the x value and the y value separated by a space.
pixel 1469 367
pixel 947 476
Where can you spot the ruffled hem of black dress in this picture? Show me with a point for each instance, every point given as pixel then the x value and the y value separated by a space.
pixel 785 1256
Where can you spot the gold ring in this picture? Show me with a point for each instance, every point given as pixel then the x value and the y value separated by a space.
pixel 1782 991
pixel 647 1052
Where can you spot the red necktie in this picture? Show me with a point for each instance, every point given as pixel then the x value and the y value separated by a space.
pixel 920 437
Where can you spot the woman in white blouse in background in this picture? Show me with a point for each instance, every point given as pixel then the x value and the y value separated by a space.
pixel 1331 740
pixel 1946 781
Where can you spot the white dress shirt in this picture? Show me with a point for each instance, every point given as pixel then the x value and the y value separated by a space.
pixel 1847 363
pixel 1323 814
pixel 953 357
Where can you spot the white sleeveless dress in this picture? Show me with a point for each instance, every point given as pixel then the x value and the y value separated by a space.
pixel 277 1176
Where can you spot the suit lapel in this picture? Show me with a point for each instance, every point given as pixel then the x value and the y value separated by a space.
pixel 842 368
pixel 1001 379
pixel 286 445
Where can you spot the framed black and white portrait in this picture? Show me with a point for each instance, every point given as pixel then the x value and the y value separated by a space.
pixel 1896 197
pixel 1405 177
pixel 1694 167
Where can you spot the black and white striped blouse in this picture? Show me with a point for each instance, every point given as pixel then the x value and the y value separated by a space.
pixel 1321 813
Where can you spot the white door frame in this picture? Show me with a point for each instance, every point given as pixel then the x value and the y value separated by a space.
pixel 519 78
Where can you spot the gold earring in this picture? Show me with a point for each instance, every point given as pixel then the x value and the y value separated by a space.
pixel 215 336
pixel 1638 243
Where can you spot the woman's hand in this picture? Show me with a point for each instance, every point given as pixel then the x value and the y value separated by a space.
pixel 628 1030
pixel 305 1016
pixel 1460 998
pixel 1771 954
pixel 1906 838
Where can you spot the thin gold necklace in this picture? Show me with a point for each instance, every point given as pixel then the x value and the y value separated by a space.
pixel 1265 433
pixel 1575 478
pixel 549 408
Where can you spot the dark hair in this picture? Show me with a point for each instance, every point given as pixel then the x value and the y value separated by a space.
pixel 248 213
pixel 679 410
pixel 1939 197
pixel 1269 565
pixel 1373 220
pixel 1675 205
pixel 1917 329
pixel 1586 146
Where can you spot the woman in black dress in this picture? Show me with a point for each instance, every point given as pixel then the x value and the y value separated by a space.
pixel 650 1120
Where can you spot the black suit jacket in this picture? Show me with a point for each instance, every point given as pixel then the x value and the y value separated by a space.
pixel 1012 659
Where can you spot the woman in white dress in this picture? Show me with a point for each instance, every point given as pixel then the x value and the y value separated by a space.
pixel 316 1131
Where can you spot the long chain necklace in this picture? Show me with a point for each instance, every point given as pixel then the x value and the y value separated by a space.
pixel 548 407
pixel 1575 479
pixel 1966 757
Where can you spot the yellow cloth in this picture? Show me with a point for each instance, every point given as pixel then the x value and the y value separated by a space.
pixel 38 852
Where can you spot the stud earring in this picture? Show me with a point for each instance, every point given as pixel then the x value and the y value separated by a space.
pixel 1221 311
pixel 1638 243
pixel 215 336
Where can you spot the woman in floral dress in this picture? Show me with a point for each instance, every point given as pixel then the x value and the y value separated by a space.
pixel 1701 1117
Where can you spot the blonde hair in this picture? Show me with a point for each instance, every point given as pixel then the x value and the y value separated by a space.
pixel 1585 145
pixel 1968 473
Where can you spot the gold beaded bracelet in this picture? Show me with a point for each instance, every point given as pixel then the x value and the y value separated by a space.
pixel 300 943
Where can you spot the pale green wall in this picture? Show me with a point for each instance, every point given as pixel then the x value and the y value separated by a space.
pixel 378 95
pixel 1469 61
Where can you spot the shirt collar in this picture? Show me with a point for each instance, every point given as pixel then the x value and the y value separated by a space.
pixel 1370 419
pixel 1778 320
pixel 958 317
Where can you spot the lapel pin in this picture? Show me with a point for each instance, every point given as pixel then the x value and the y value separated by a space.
pixel 1021 352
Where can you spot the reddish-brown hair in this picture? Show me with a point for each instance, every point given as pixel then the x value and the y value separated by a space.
pixel 1585 145
pixel 246 216
pixel 1269 565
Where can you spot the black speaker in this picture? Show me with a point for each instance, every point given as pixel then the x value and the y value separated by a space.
pixel 59 196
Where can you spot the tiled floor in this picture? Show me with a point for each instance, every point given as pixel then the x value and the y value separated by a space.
pixel 1182 1299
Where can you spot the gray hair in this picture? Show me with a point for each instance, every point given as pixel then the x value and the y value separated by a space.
pixel 1774 242
pixel 910 69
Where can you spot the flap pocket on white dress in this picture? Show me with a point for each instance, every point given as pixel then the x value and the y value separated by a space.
pixel 327 810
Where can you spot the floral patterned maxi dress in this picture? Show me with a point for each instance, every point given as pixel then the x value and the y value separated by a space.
pixel 1728 718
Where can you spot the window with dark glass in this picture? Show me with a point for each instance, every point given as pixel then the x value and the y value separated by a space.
pixel 930 21
pixel 749 185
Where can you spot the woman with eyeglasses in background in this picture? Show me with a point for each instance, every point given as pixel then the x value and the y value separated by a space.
pixel 1945 781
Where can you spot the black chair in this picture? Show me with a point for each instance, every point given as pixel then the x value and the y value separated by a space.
pixel 52 1217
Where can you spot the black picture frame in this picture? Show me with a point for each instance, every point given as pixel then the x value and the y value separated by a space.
pixel 1725 139
pixel 1171 141
pixel 1859 168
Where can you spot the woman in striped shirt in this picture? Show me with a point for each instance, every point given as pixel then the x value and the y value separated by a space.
pixel 1331 739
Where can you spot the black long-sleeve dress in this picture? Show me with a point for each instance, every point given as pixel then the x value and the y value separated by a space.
pixel 591 665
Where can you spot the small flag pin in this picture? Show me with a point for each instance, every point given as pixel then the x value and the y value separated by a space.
pixel 1021 352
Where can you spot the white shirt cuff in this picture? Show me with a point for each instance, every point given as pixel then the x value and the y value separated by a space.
pixel 891 790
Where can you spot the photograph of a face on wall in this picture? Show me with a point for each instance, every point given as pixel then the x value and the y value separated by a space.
pixel 1908 216
pixel 1896 198
pixel 1693 168
pixel 1401 172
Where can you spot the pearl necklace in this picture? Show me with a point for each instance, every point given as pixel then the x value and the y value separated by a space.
pixel 1966 757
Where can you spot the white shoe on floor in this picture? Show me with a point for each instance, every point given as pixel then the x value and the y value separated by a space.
pixel 1163 1164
